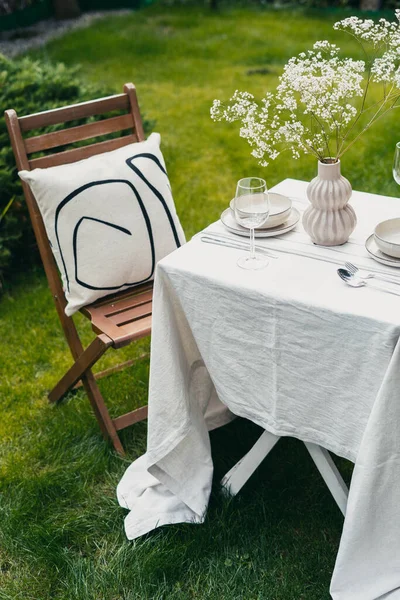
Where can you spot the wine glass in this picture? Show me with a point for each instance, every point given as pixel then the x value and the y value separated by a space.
pixel 251 210
pixel 396 164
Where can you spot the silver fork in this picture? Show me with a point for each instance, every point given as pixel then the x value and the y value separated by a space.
pixel 368 275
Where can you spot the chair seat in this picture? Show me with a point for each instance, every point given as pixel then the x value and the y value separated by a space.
pixel 123 317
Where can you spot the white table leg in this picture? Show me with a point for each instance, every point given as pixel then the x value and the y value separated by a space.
pixel 235 479
pixel 330 474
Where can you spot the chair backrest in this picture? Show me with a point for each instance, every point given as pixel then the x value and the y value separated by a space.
pixel 23 147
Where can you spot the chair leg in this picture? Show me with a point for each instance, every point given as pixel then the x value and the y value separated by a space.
pixel 134 416
pixel 114 369
pixel 235 479
pixel 330 474
pixel 96 400
pixel 101 412
pixel 83 363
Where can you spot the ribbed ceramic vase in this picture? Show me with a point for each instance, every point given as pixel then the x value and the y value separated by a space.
pixel 330 220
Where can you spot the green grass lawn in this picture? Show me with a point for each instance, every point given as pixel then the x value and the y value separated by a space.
pixel 61 530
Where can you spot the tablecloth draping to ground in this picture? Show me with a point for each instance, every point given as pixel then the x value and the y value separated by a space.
pixel 295 350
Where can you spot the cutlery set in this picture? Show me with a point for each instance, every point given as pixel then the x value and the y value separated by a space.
pixel 354 280
pixel 350 274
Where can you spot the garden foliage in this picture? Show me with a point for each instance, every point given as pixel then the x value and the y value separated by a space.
pixel 10 6
pixel 353 4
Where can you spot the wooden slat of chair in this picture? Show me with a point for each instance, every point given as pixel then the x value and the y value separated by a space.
pixel 77 134
pixel 82 110
pixel 119 319
pixel 71 156
pixel 123 318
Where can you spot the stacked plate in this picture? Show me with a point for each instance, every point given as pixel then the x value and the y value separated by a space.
pixel 384 244
pixel 282 218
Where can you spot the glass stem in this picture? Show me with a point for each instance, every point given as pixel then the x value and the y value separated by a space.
pixel 252 245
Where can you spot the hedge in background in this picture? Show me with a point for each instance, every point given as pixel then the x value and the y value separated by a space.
pixel 10 6
pixel 363 5
pixel 30 86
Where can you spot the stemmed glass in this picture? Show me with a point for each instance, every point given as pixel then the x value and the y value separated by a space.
pixel 251 210
pixel 396 164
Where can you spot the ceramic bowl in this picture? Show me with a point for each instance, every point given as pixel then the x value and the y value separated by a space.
pixel 387 237
pixel 281 207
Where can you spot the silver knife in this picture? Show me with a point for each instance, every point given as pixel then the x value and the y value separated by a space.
pixel 225 240
pixel 237 245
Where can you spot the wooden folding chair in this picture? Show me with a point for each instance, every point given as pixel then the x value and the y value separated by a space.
pixel 116 320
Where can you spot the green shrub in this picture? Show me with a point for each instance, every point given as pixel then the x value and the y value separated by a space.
pixel 214 4
pixel 30 86
pixel 13 5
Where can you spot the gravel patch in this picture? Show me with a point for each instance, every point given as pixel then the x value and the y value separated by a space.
pixel 19 41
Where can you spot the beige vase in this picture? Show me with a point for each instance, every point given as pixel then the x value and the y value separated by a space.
pixel 330 220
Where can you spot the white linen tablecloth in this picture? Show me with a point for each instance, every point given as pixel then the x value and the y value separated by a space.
pixel 298 352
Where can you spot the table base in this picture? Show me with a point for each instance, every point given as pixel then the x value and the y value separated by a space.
pixel 235 479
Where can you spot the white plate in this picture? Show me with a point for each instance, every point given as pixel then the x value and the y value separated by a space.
pixel 229 221
pixel 280 207
pixel 374 251
pixel 387 237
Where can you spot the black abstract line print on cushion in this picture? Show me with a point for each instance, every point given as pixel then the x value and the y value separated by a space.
pixel 130 164
pixel 74 244
pixel 79 279
pixel 73 195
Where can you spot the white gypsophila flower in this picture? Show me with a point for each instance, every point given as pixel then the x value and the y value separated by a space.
pixel 322 83
pixel 383 68
pixel 320 96
pixel 367 30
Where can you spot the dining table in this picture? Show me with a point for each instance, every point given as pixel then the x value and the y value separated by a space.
pixel 298 352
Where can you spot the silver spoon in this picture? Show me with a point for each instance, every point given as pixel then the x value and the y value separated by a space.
pixel 356 281
pixel 368 275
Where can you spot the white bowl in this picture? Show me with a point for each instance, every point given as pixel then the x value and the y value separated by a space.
pixel 280 209
pixel 387 237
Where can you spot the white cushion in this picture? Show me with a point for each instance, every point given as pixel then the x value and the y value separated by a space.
pixel 109 218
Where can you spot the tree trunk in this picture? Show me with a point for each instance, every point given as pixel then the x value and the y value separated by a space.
pixel 213 4
pixel 370 5
pixel 66 9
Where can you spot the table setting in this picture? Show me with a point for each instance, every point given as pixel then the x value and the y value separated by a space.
pixel 285 312
pixel 293 348
pixel 285 218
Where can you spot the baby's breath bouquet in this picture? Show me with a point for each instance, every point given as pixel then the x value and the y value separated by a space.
pixel 323 102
